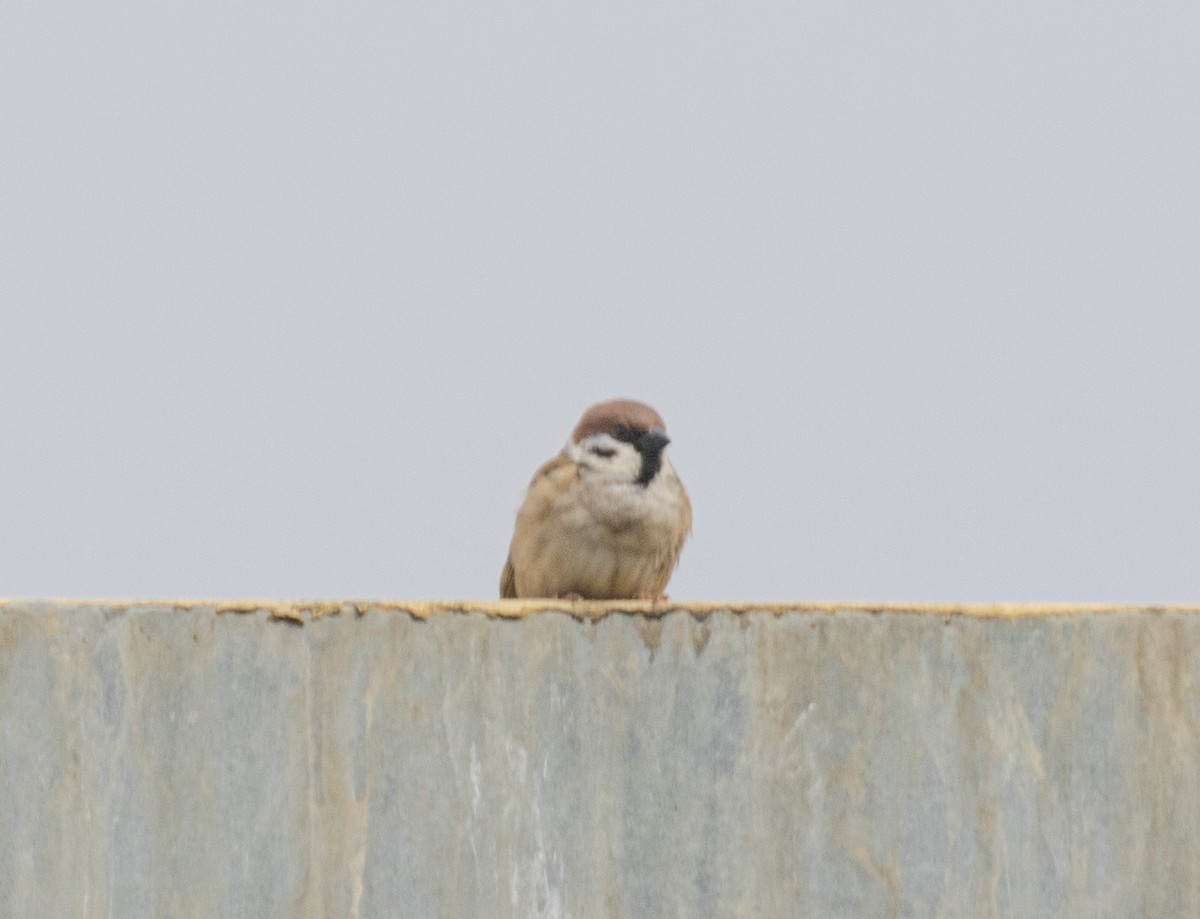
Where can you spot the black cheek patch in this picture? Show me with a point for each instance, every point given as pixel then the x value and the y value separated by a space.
pixel 651 458
pixel 651 463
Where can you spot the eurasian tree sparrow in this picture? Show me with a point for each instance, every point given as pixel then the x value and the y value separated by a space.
pixel 606 518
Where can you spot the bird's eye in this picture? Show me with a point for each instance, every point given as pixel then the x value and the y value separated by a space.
pixel 606 452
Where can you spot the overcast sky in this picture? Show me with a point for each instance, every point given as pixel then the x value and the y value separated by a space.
pixel 294 299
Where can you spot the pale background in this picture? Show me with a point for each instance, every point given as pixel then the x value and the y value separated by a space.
pixel 294 299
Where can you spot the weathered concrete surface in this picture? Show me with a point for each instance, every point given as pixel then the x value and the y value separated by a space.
pixel 159 761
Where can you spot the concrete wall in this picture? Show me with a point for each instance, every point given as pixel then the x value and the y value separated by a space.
pixel 350 761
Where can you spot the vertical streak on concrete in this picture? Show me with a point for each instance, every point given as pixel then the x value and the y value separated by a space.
pixel 162 762
pixel 1168 704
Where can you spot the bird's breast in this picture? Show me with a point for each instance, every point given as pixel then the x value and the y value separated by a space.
pixel 629 511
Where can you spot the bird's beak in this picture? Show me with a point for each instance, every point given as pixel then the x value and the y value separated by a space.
pixel 653 441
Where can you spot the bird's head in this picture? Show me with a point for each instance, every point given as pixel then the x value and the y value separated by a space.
pixel 620 441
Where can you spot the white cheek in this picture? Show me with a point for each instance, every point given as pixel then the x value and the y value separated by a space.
pixel 624 466
pixel 627 464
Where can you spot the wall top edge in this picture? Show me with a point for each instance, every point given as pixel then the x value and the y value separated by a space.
pixel 300 611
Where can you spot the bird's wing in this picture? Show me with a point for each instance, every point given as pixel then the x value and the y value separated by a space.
pixel 508 577
pixel 508 580
pixel 672 557
pixel 550 466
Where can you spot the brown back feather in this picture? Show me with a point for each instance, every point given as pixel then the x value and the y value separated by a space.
pixel 508 580
pixel 508 577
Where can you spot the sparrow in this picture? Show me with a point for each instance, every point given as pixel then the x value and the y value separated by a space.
pixel 606 518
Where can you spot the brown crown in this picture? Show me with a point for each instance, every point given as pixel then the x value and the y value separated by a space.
pixel 608 416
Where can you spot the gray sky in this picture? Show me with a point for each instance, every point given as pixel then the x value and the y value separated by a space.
pixel 293 300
